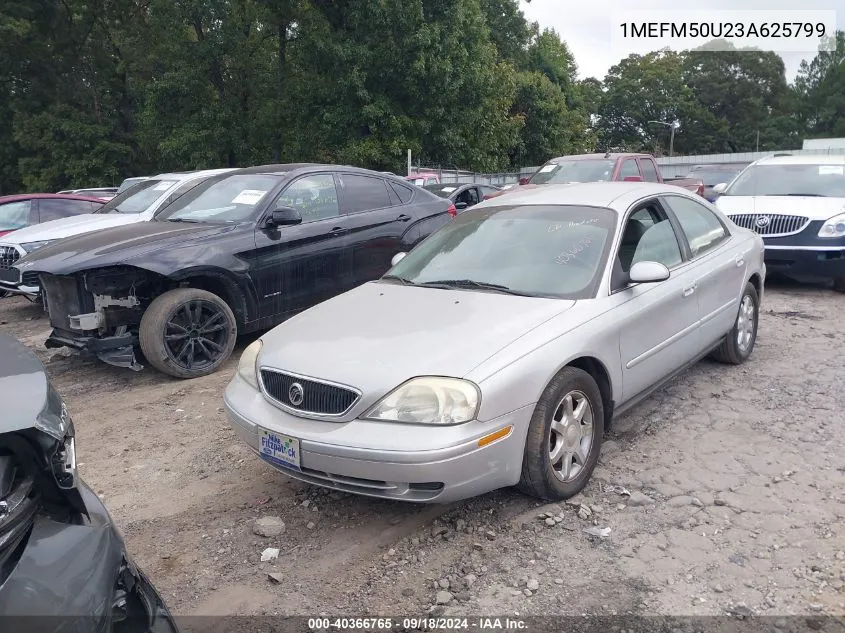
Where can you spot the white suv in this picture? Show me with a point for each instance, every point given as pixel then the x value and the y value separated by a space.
pixel 139 203
pixel 797 204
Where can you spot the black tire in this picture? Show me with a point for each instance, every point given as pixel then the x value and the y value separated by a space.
pixel 839 284
pixel 4 294
pixel 730 351
pixel 539 478
pixel 189 350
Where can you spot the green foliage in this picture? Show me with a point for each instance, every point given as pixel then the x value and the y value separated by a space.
pixel 92 91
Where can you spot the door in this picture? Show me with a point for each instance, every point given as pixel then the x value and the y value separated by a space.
pixel 720 273
pixel 298 266
pixel 659 321
pixel 375 223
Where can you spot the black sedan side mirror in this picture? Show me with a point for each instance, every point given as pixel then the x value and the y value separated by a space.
pixel 460 206
pixel 285 216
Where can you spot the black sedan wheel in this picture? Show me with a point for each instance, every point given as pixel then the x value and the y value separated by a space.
pixel 188 333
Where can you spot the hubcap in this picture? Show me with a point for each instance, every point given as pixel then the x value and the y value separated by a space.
pixel 196 335
pixel 571 435
pixel 745 324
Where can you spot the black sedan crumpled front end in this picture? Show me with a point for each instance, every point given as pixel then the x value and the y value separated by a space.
pixel 63 563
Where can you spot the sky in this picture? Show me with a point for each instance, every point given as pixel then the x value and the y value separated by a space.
pixel 586 27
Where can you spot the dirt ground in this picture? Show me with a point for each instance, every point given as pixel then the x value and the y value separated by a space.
pixel 723 493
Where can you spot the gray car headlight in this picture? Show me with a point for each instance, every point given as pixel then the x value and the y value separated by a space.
pixel 429 400
pixel 834 227
pixel 247 366
pixel 34 246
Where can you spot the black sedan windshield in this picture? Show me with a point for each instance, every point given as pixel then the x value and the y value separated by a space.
pixel 790 180
pixel 566 171
pixel 544 251
pixel 230 199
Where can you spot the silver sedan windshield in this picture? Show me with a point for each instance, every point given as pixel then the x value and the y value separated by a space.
pixel 544 251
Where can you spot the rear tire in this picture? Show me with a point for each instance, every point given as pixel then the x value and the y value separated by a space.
pixel 562 447
pixel 739 343
pixel 187 333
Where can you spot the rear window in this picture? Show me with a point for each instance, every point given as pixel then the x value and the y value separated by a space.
pixel 138 199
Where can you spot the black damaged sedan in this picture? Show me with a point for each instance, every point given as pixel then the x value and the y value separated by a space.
pixel 63 564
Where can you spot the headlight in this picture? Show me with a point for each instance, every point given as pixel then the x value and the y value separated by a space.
pixel 834 227
pixel 34 246
pixel 429 400
pixel 64 461
pixel 247 367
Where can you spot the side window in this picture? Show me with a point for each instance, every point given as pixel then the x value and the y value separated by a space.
pixel 703 229
pixel 315 197
pixel 649 236
pixel 54 209
pixel 629 168
pixel 473 195
pixel 363 193
pixel 465 196
pixel 402 191
pixel 15 215
pixel 649 171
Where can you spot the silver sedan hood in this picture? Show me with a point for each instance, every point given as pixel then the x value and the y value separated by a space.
pixel 380 334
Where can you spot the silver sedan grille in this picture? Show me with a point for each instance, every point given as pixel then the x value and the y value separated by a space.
pixel 307 395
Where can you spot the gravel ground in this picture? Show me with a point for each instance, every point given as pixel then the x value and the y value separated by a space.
pixel 721 494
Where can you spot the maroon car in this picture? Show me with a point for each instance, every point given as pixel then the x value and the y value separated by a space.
pixel 626 167
pixel 26 209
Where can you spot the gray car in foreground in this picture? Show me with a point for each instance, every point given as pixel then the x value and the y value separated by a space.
pixel 63 565
pixel 499 350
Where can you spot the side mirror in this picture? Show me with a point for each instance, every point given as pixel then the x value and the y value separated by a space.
pixel 285 216
pixel 460 206
pixel 398 257
pixel 524 180
pixel 720 188
pixel 632 179
pixel 648 273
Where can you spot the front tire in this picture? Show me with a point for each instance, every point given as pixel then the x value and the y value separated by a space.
pixel 739 343
pixel 187 333
pixel 564 437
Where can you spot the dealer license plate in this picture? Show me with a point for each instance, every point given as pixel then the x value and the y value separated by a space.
pixel 279 450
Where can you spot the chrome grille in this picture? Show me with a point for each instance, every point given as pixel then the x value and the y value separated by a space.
pixel 771 225
pixel 318 398
pixel 8 256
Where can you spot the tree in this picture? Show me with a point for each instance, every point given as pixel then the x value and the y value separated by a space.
pixel 745 92
pixel 820 91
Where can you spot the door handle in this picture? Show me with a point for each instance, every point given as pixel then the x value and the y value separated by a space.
pixel 740 261
pixel 338 230
pixel 689 290
pixel 403 218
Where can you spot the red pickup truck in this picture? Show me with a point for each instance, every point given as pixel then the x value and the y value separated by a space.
pixel 603 167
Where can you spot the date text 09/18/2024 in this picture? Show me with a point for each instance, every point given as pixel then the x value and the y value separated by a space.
pixel 416 624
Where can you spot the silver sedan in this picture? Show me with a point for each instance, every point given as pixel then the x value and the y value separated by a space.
pixel 498 352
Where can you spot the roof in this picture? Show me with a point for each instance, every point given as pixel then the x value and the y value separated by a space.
pixel 614 195
pixel 608 156
pixel 803 159
pixel 60 196
pixel 188 175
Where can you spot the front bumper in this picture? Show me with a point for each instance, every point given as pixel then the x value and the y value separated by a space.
pixel 805 255
pixel 808 262
pixel 388 460
pixel 69 577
